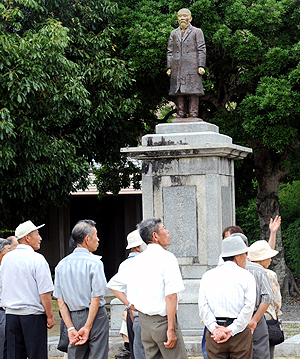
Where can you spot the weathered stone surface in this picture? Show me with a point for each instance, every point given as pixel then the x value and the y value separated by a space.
pixel 185 139
pixel 188 127
pixel 180 207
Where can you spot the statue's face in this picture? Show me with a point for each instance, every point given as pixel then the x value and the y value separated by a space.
pixel 184 18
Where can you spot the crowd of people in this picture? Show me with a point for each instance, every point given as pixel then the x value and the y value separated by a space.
pixel 235 298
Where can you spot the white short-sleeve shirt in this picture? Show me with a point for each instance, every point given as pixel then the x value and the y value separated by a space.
pixel 148 279
pixel 25 276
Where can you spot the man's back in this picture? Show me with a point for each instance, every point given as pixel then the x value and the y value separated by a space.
pixel 78 278
pixel 157 274
pixel 227 291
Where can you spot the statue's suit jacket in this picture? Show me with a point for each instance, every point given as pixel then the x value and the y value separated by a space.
pixel 186 53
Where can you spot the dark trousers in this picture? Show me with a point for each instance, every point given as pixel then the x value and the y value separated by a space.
pixel 26 336
pixel 134 335
pixel 2 332
pixel 239 346
pixel 261 345
pixel 130 334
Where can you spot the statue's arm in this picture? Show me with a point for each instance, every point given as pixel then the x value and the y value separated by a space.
pixel 170 54
pixel 201 49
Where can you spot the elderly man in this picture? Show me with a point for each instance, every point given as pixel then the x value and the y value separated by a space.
pixel 264 294
pixel 186 59
pixel 226 302
pixel 5 246
pixel 26 296
pixel 152 281
pixel 79 287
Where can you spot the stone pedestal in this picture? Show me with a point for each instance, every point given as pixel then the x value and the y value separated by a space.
pixel 188 181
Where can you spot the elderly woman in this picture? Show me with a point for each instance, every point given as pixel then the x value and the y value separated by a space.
pixel 260 252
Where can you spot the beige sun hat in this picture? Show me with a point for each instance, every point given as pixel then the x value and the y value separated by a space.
pixel 260 250
pixel 26 228
pixel 134 239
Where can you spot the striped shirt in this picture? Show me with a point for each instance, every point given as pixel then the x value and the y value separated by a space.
pixel 264 293
pixel 227 291
pixel 78 278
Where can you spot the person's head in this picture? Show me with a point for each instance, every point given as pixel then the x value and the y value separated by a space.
pixel 84 234
pixel 234 249
pixel 13 242
pixel 135 242
pixel 27 233
pixel 261 253
pixel 153 231
pixel 184 18
pixel 4 247
pixel 228 231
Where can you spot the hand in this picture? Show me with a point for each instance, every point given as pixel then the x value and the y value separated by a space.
pixel 169 72
pixel 83 336
pixel 221 334
pixel 171 339
pixel 275 224
pixel 201 71
pixel 50 323
pixel 73 336
pixel 252 325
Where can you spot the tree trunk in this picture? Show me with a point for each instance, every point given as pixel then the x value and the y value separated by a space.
pixel 269 174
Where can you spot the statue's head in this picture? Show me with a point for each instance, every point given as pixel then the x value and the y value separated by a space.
pixel 184 17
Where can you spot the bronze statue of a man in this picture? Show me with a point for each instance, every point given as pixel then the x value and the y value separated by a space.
pixel 186 60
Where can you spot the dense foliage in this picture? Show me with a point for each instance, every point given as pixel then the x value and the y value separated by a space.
pixel 63 100
pixel 289 196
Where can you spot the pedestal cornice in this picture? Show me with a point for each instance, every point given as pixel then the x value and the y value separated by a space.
pixel 226 150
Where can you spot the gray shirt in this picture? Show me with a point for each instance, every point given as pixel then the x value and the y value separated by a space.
pixel 264 293
pixel 78 278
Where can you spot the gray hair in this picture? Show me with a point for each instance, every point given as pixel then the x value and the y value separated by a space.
pixel 147 227
pixel 3 243
pixel 82 229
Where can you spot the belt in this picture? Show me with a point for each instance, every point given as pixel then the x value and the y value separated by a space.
pixel 79 310
pixel 224 322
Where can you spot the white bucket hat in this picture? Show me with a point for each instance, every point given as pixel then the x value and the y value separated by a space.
pixel 26 228
pixel 134 239
pixel 260 250
pixel 233 245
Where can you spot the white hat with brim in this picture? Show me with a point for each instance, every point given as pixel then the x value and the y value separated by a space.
pixel 233 246
pixel 25 228
pixel 134 240
pixel 260 250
